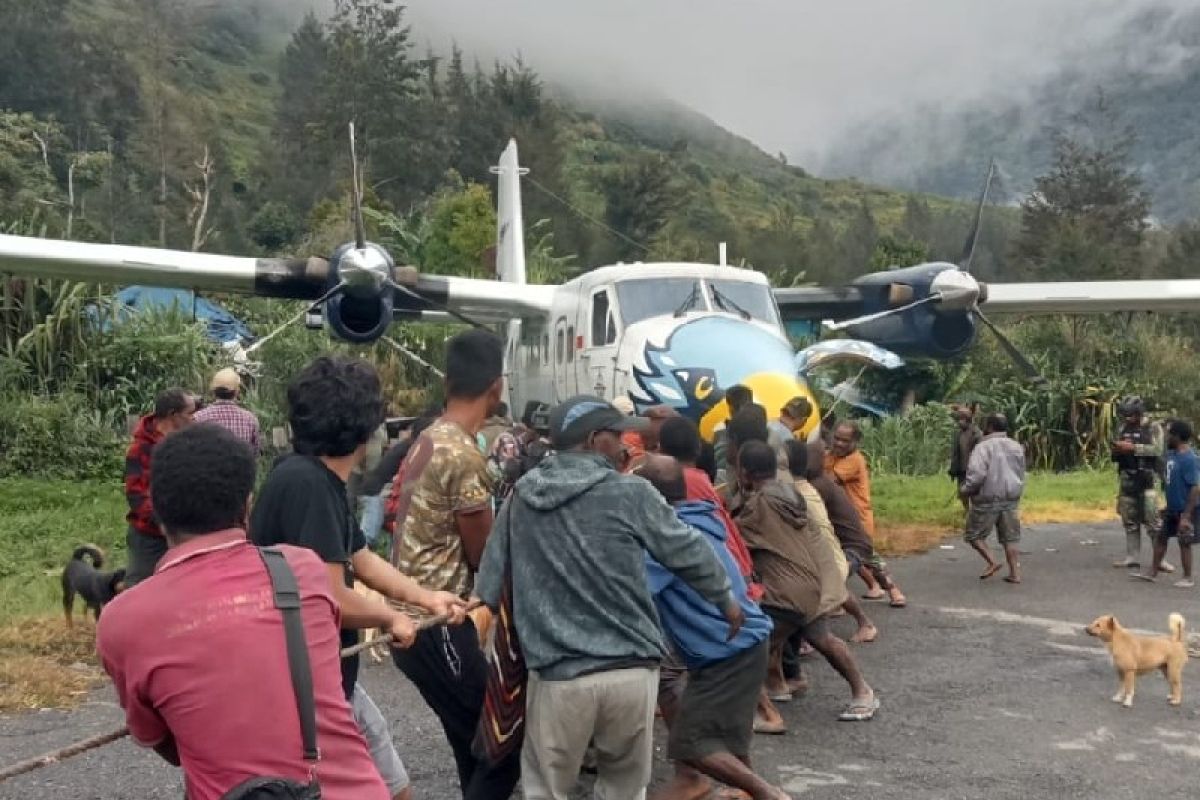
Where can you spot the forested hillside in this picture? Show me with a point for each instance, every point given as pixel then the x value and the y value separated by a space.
pixel 222 126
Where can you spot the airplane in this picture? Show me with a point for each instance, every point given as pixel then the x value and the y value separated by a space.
pixel 675 334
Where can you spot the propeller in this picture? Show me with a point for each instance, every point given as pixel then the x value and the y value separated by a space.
pixel 360 232
pixel 1026 366
pixel 956 290
pixel 968 255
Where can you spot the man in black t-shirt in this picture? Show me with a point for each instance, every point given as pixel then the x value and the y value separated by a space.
pixel 334 405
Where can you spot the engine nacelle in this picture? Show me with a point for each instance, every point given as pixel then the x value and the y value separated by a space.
pixel 931 330
pixel 362 310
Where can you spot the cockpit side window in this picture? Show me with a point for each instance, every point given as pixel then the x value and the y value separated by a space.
pixel 604 323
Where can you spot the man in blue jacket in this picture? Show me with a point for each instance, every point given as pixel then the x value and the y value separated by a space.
pixel 713 722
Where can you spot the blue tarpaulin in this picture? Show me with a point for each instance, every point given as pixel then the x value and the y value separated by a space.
pixel 222 326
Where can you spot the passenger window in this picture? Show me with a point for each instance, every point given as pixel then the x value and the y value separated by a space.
pixel 558 347
pixel 600 319
pixel 571 343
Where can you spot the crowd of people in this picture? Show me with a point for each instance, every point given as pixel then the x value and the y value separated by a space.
pixel 625 568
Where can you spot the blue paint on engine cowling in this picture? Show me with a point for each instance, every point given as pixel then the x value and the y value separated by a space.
pixel 921 331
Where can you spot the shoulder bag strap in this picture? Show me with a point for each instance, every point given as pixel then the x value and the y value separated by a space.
pixel 287 600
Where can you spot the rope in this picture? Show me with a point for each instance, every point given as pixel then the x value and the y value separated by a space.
pixel 589 218
pixel 91 743
pixel 410 354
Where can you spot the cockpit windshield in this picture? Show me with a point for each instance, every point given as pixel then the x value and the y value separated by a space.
pixel 642 298
pixel 743 297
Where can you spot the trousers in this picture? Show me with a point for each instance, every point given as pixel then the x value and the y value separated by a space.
pixel 449 669
pixel 614 710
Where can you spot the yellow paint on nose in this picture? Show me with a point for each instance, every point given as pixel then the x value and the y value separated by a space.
pixel 772 391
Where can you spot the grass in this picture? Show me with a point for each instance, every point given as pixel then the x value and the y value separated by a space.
pixel 913 514
pixel 42 521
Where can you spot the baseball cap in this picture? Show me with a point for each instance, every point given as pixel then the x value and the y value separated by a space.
pixel 573 420
pixel 226 379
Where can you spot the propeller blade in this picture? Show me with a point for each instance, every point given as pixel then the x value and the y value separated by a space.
pixel 973 237
pixel 1023 363
pixel 849 323
pixel 360 233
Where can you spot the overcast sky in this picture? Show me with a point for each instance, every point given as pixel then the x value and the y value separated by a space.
pixel 794 75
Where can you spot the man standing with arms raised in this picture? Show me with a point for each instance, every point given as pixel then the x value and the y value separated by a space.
pixel 442 504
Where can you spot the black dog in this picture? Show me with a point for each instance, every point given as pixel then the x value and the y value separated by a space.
pixel 95 587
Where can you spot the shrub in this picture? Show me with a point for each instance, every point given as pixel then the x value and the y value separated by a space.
pixel 915 444
pixel 57 436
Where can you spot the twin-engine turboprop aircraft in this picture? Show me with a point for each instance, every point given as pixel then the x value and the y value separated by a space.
pixel 675 334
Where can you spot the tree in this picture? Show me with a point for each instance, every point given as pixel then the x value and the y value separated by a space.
pixel 857 242
pixel 639 196
pixel 274 226
pixel 1087 216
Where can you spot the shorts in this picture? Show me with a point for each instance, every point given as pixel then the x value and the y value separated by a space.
pixel 379 740
pixel 716 712
pixel 1170 528
pixel 1005 519
pixel 672 678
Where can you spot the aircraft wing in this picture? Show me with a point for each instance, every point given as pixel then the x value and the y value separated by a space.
pixel 1091 297
pixel 486 301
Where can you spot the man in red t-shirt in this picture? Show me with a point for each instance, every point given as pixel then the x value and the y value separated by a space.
pixel 211 690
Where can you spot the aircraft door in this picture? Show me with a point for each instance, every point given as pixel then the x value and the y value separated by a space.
pixel 561 368
pixel 599 357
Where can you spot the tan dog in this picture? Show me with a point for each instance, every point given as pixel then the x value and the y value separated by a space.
pixel 371 634
pixel 1134 655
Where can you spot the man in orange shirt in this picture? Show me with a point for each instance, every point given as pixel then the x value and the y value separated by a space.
pixel 846 463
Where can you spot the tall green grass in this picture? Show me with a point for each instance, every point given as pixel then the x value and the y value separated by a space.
pixel 42 521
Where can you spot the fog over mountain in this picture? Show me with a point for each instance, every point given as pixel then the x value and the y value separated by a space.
pixel 888 91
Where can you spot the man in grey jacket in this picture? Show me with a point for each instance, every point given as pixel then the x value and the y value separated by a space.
pixel 994 484
pixel 574 535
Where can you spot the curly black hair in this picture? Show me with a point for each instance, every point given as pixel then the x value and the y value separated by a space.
pixel 201 479
pixel 474 361
pixel 334 405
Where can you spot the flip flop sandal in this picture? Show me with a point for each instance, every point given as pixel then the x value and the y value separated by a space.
pixel 1011 579
pixel 860 710
pixel 780 697
pixel 881 596
pixel 901 603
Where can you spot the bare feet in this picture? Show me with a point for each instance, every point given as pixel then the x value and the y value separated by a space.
pixel 990 571
pixel 686 784
pixel 1012 578
pixel 866 633
pixel 898 598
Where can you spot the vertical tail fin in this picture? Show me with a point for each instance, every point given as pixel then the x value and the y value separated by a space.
pixel 1175 621
pixel 510 224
